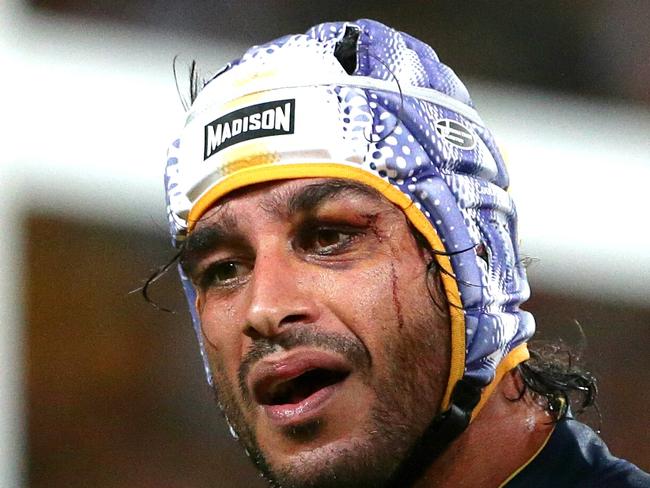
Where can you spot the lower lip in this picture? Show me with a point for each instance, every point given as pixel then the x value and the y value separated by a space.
pixel 305 410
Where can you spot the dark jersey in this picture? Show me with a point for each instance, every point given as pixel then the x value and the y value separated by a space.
pixel 575 457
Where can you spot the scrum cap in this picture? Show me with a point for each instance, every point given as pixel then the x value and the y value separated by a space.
pixel 362 101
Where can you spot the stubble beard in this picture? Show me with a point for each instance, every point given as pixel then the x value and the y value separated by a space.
pixel 403 408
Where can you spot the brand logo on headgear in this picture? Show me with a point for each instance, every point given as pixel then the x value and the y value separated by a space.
pixel 455 133
pixel 260 120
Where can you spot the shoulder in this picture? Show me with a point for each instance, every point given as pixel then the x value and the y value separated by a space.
pixel 576 457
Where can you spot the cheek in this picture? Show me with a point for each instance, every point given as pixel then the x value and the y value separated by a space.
pixel 221 329
pixel 221 318
pixel 390 304
pixel 363 301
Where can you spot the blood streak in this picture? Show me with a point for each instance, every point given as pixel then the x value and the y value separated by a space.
pixel 396 302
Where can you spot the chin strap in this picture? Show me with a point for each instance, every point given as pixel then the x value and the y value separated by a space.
pixel 441 432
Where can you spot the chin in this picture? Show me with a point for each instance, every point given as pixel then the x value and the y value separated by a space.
pixel 342 463
pixel 352 438
pixel 338 451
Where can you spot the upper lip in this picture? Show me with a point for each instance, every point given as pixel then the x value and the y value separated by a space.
pixel 271 377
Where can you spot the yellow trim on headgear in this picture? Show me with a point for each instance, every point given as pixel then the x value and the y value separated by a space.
pixel 518 355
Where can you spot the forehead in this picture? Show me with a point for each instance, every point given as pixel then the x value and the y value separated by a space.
pixel 286 198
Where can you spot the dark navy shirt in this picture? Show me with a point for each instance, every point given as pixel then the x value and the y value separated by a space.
pixel 576 457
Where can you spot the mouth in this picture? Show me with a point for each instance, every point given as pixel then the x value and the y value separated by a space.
pixel 296 388
pixel 300 388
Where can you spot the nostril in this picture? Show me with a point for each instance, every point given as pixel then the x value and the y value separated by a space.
pixel 252 332
pixel 293 319
pixel 259 329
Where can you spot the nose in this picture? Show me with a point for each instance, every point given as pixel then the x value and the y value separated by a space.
pixel 281 295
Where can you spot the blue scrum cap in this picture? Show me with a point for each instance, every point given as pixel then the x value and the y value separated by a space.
pixel 362 101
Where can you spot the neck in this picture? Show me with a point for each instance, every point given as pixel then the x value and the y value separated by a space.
pixel 505 435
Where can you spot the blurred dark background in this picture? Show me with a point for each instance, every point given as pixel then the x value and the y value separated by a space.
pixel 594 48
pixel 115 393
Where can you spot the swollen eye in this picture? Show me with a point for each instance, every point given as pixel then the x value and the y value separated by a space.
pixel 324 240
pixel 328 237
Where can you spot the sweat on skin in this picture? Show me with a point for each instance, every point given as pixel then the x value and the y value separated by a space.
pixel 330 274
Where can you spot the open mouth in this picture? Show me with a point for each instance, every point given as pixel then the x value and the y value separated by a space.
pixel 298 388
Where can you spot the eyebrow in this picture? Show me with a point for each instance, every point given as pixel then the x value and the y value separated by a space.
pixel 306 200
pixel 310 197
pixel 200 241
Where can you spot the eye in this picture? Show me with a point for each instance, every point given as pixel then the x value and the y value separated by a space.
pixel 330 237
pixel 326 240
pixel 223 273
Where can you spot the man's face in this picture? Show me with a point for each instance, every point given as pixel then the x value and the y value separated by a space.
pixel 329 353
